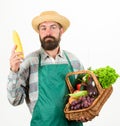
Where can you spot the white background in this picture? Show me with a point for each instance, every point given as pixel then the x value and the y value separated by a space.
pixel 93 36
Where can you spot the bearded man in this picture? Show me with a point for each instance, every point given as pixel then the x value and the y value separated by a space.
pixel 39 78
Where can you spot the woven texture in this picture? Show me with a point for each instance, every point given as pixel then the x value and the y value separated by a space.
pixel 94 109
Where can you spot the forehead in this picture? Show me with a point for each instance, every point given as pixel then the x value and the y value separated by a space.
pixel 48 23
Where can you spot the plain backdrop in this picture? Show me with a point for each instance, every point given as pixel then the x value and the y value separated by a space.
pixel 93 36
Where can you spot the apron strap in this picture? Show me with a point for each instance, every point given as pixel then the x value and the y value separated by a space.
pixel 68 61
pixel 72 77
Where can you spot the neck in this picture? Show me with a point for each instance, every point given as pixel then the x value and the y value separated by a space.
pixel 53 53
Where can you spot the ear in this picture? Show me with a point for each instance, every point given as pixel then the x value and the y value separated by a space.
pixel 61 30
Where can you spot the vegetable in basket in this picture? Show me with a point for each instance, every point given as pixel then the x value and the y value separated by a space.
pixel 89 106
pixel 78 94
pixel 106 76
pixel 87 83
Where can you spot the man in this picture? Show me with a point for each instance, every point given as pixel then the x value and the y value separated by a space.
pixel 40 77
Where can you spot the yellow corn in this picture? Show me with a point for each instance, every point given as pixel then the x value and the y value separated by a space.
pixel 17 41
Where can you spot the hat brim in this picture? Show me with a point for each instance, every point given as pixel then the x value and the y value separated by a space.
pixel 63 21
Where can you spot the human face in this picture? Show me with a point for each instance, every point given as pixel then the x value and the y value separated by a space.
pixel 50 35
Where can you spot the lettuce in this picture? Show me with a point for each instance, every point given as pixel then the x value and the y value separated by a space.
pixel 106 76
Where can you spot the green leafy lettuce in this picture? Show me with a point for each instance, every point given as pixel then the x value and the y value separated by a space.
pixel 106 76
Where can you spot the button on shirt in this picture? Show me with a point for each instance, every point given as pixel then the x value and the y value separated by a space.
pixel 23 85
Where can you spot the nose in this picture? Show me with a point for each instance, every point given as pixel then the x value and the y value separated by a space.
pixel 48 31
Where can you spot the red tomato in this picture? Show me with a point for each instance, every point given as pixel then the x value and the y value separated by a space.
pixel 78 86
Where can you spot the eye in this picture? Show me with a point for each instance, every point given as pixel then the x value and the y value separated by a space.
pixel 42 28
pixel 54 27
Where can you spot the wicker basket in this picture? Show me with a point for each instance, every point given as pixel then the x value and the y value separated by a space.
pixel 94 109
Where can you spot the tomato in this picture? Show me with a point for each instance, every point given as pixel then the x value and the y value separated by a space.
pixel 78 86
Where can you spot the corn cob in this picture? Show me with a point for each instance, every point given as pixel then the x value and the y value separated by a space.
pixel 17 41
pixel 78 94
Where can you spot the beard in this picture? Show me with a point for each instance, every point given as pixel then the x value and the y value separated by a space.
pixel 49 42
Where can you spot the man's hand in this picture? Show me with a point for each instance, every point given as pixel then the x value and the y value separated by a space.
pixel 15 59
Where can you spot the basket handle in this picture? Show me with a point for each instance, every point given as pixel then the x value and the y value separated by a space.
pixel 71 89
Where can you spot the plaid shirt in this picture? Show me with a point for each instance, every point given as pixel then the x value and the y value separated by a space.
pixel 24 83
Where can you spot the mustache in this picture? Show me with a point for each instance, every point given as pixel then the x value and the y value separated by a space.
pixel 48 37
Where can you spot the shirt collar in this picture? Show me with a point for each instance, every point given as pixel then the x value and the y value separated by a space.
pixel 44 55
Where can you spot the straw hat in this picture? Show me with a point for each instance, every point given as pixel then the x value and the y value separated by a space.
pixel 50 16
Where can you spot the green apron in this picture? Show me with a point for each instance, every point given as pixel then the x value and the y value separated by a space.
pixel 49 108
